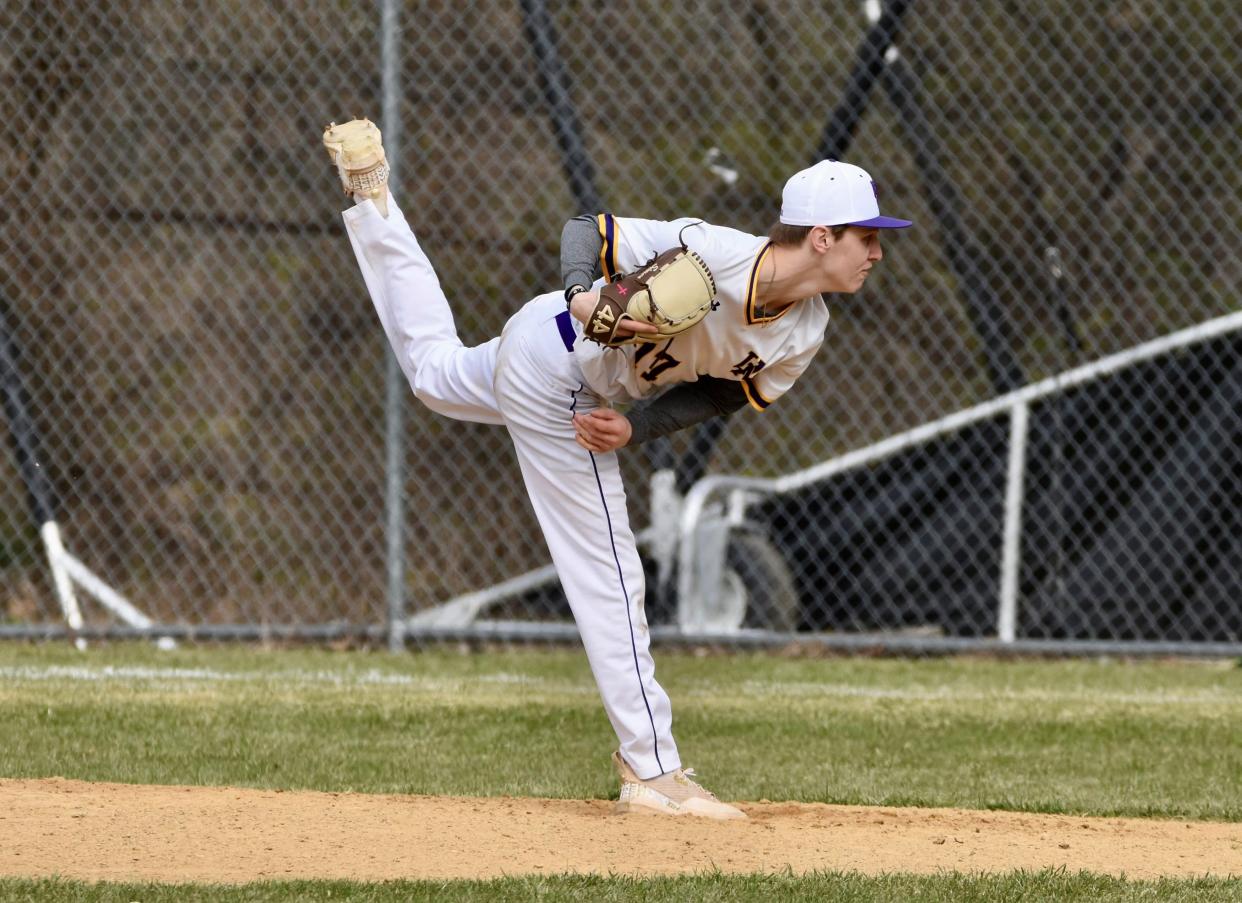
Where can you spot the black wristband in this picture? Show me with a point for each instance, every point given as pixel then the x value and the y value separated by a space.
pixel 571 291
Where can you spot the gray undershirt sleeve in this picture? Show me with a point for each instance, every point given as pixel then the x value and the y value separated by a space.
pixel 685 405
pixel 580 247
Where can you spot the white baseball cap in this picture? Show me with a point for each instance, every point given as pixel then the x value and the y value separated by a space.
pixel 832 193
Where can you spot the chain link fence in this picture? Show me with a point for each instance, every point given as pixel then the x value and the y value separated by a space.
pixel 194 379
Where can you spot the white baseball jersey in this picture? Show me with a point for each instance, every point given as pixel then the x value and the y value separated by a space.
pixel 736 340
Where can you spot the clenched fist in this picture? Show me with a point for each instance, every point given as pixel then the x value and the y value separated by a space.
pixel 602 430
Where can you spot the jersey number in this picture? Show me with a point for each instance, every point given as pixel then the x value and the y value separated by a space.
pixel 661 362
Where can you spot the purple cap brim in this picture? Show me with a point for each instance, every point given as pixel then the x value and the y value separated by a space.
pixel 883 222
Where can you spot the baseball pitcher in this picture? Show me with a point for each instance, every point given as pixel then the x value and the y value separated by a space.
pixel 700 320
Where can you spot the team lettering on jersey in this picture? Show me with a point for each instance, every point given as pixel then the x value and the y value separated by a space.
pixel 748 366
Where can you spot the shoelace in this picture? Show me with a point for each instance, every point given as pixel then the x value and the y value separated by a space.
pixel 689 775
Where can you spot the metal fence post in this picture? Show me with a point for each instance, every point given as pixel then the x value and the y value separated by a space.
pixel 394 381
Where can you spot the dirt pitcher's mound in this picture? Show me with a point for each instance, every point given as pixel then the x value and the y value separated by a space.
pixel 231 835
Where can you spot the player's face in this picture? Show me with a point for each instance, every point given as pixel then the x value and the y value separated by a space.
pixel 849 260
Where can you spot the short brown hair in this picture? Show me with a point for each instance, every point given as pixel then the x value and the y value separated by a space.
pixel 783 235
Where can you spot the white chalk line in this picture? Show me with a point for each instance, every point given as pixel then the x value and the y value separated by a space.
pixel 181 676
pixel 1213 696
pixel 173 677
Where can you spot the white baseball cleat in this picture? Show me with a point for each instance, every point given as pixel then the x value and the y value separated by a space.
pixel 674 793
pixel 357 149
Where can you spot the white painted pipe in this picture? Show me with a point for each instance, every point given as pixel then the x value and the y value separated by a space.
pixel 61 581
pixel 1011 555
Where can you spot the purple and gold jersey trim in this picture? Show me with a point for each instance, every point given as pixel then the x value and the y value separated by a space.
pixel 753 395
pixel 608 253
pixel 752 291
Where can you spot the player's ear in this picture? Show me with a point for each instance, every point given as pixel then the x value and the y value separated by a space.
pixel 820 238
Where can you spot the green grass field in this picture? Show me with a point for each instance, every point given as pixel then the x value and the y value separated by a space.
pixel 1083 737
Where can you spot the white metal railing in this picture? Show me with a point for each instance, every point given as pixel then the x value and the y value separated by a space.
pixel 68 570
pixel 692 599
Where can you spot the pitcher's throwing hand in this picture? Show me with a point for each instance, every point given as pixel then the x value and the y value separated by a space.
pixel 602 430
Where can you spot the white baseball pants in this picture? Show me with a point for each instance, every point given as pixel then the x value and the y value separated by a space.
pixel 528 380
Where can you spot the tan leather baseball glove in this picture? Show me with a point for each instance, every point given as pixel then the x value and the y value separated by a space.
pixel 672 292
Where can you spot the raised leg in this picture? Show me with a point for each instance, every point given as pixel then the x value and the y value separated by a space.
pixel 448 377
